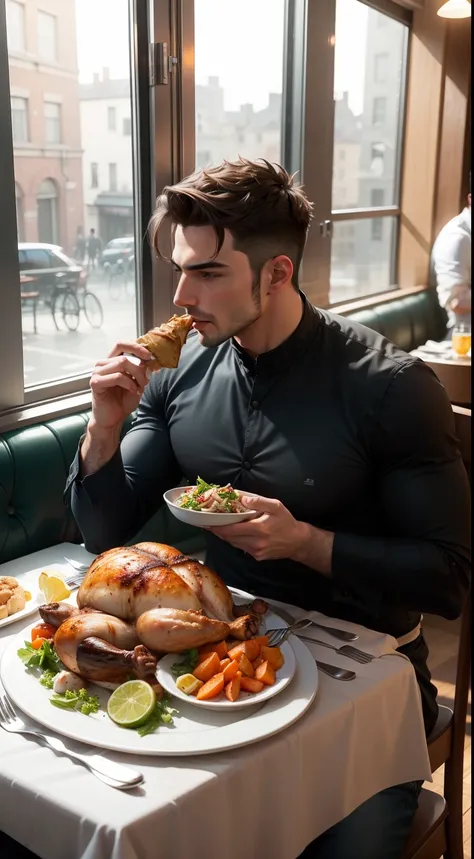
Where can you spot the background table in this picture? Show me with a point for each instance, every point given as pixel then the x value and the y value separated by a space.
pixel 268 799
pixel 453 373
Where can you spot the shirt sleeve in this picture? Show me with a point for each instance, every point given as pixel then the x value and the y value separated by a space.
pixel 451 262
pixel 112 504
pixel 423 563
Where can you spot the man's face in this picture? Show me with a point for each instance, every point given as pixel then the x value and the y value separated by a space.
pixel 218 292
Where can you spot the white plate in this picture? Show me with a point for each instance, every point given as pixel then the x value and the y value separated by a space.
pixel 246 699
pixel 195 731
pixel 31 606
pixel 200 518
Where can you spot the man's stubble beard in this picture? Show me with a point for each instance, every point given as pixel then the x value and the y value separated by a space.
pixel 242 325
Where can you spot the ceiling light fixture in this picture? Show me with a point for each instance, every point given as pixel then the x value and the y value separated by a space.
pixel 455 9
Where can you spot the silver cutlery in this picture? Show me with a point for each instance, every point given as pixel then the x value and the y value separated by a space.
pixel 278 636
pixel 112 774
pixel 81 568
pixel 335 673
pixel 346 650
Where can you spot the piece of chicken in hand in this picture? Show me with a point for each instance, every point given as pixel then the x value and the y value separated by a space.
pixel 103 648
pixel 170 630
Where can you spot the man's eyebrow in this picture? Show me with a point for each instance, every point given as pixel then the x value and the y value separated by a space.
pixel 198 266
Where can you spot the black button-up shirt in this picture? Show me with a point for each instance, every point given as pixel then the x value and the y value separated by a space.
pixel 351 434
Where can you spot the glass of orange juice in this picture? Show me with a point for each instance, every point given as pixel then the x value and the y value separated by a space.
pixel 461 339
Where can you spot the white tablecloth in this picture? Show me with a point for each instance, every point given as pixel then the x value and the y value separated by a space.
pixel 268 799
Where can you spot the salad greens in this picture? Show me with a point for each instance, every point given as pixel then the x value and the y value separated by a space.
pixel 81 701
pixel 188 664
pixel 210 497
pixel 161 715
pixel 45 657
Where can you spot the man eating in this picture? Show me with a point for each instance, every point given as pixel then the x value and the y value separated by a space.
pixel 347 442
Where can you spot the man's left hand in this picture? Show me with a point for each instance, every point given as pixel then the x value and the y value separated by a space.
pixel 273 534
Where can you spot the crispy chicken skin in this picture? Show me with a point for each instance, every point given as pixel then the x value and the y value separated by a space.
pixel 172 631
pixel 166 341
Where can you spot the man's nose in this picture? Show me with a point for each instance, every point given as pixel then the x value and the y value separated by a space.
pixel 184 295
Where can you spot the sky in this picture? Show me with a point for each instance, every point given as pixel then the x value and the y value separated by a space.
pixel 243 47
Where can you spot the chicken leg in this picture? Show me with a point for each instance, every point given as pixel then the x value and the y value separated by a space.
pixel 172 630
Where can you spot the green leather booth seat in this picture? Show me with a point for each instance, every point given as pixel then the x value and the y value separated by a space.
pixel 34 461
pixel 409 321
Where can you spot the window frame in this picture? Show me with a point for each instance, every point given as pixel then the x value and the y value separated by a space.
pixel 42 14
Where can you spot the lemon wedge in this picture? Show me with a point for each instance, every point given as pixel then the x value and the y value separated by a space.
pixel 53 587
pixel 27 596
pixel 188 684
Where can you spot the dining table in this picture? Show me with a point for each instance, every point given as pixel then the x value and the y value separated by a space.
pixel 263 798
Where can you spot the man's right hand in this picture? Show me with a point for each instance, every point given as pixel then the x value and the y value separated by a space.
pixel 117 384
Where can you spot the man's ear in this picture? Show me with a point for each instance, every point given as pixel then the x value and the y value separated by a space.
pixel 277 272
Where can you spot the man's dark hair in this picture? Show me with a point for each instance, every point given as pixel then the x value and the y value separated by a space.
pixel 265 210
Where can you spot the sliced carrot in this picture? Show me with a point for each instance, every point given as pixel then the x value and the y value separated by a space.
pixel 230 670
pixel 220 647
pixel 274 656
pixel 225 662
pixel 262 640
pixel 43 630
pixel 251 648
pixel 265 673
pixel 249 684
pixel 212 688
pixel 245 666
pixel 232 689
pixel 207 668
pixel 258 661
pixel 37 643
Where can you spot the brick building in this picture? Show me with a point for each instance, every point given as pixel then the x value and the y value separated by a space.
pixel 45 120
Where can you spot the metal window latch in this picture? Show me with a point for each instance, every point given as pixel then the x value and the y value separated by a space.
pixel 325 228
pixel 160 63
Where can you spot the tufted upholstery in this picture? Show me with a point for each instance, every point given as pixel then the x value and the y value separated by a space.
pixel 34 461
pixel 409 321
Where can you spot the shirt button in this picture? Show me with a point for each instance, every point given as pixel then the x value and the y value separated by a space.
pixel 247 465
pixel 255 404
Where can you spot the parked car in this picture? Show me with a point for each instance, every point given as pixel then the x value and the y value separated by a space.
pixel 118 252
pixel 50 268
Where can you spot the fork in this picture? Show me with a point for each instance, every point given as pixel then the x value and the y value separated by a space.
pixel 112 774
pixel 76 579
pixel 346 650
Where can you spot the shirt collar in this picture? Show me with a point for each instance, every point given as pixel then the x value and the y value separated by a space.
pixel 277 360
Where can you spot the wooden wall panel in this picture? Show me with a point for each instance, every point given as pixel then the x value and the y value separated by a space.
pixel 437 104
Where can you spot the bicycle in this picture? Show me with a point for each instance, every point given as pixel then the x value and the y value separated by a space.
pixel 68 306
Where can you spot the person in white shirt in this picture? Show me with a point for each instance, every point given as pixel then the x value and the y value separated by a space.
pixel 451 262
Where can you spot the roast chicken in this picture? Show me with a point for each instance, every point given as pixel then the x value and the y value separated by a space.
pixel 138 599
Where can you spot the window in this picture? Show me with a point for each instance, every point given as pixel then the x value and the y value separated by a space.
pixel 19 120
pixel 381 66
pixel 61 113
pixel 16 25
pixel 240 112
pixel 377 197
pixel 47 36
pixel 111 118
pixel 48 214
pixel 370 57
pixel 52 122
pixel 112 177
pixel 379 110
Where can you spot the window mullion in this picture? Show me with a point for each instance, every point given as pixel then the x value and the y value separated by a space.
pixel 11 347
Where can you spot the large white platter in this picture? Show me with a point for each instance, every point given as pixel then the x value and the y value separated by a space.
pixel 195 731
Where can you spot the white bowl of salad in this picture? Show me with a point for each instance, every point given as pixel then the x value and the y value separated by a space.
pixel 207 504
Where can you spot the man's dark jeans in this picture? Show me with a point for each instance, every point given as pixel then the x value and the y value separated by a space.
pixel 378 829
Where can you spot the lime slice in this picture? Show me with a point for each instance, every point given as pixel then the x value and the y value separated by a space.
pixel 131 704
pixel 53 588
pixel 188 684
